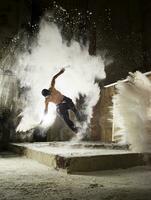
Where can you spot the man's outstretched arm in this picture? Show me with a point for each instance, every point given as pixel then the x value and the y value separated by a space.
pixel 45 111
pixel 46 106
pixel 54 77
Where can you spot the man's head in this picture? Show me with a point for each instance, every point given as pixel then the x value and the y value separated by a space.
pixel 45 92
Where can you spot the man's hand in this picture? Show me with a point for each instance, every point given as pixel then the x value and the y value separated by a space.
pixel 45 111
pixel 54 77
pixel 41 122
pixel 62 70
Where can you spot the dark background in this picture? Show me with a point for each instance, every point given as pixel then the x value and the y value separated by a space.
pixel 120 29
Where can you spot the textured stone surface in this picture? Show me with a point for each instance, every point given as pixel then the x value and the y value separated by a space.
pixel 72 159
pixel 22 178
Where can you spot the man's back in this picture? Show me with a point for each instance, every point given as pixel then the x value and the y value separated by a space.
pixel 55 97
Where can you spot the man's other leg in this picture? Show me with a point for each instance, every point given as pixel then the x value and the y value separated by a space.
pixel 73 108
pixel 63 112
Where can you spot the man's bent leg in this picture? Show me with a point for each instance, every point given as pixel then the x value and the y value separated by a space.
pixel 63 112
pixel 73 108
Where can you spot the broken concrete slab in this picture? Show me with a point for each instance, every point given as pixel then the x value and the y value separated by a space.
pixel 80 157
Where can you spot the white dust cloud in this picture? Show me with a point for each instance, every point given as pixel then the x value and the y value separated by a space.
pixel 35 69
pixel 132 112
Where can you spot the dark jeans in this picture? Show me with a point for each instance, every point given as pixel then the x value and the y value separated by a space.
pixel 62 110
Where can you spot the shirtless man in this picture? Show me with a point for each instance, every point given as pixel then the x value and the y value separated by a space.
pixel 62 102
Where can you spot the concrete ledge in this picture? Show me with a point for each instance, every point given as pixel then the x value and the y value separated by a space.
pixel 44 158
pixel 78 158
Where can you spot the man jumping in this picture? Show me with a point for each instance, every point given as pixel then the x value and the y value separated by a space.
pixel 62 102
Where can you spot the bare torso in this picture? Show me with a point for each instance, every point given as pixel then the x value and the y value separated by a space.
pixel 56 97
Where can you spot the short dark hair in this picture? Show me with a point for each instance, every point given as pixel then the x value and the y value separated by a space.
pixel 45 92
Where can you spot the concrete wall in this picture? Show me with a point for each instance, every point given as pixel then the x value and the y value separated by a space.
pixel 14 15
pixel 107 128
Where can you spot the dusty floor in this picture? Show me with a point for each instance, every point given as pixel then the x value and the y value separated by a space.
pixel 21 178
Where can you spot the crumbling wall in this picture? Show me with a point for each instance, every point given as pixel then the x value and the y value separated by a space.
pixel 8 101
pixel 108 128
pixel 14 16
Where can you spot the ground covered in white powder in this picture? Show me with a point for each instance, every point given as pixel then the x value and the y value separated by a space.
pixel 22 178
